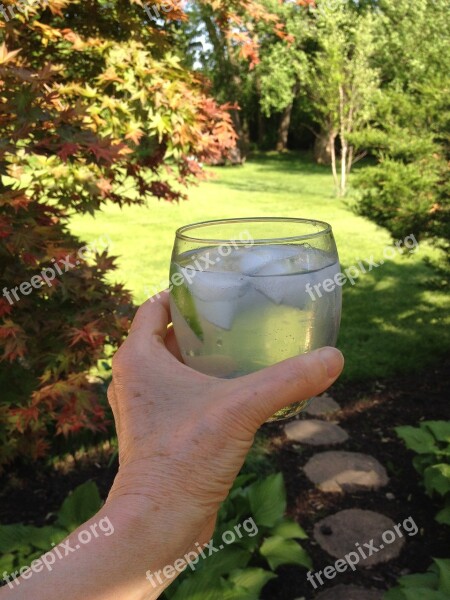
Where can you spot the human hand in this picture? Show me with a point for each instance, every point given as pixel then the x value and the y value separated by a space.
pixel 183 436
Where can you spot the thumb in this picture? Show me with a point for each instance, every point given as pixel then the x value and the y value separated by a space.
pixel 263 393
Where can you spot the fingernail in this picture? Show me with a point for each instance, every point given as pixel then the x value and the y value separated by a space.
pixel 333 361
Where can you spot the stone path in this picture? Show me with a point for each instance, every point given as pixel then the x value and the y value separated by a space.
pixel 339 471
pixel 315 433
pixel 349 530
pixel 322 405
pixel 345 472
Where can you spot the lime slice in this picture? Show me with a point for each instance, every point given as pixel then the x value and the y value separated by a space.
pixel 186 304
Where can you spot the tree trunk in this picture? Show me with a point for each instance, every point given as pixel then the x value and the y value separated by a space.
pixel 322 148
pixel 344 153
pixel 332 145
pixel 283 129
pixel 260 121
pixel 285 123
pixel 261 129
pixel 351 154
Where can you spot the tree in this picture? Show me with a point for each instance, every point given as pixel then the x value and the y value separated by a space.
pixel 342 82
pixel 227 41
pixel 283 65
pixel 100 110
pixel 407 191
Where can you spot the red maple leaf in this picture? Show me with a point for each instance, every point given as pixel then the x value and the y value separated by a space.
pixel 68 149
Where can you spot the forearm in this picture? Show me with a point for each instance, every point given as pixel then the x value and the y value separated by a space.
pixel 91 565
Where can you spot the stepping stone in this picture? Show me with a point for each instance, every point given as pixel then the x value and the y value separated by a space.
pixel 315 433
pixel 350 592
pixel 349 530
pixel 322 405
pixel 345 472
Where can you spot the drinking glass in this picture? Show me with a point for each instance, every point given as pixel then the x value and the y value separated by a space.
pixel 248 293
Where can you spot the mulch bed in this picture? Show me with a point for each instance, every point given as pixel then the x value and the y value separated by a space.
pixel 370 412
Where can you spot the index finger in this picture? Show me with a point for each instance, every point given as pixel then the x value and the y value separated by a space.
pixel 152 318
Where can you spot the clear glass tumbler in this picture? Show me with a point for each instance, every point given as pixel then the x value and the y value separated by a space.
pixel 248 293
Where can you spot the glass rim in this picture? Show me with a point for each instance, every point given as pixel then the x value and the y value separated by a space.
pixel 181 232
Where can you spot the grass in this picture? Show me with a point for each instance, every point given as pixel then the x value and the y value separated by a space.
pixel 391 322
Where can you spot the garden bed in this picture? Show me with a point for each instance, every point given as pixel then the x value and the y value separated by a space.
pixel 370 412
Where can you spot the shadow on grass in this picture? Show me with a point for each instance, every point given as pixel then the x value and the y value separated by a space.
pixel 389 323
pixel 291 162
pixel 276 174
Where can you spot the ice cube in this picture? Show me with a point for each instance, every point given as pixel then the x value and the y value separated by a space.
pixel 283 289
pixel 270 276
pixel 220 313
pixel 217 295
pixel 260 259
pixel 283 280
pixel 213 286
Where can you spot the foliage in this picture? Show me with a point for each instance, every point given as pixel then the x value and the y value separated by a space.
pixel 431 442
pixel 242 569
pixel 99 111
pixel 432 585
pixel 21 544
pixel 323 57
pixel 407 191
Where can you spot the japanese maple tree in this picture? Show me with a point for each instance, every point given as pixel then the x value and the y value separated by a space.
pixel 95 106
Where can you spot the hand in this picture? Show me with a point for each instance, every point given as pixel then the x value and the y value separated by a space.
pixel 183 436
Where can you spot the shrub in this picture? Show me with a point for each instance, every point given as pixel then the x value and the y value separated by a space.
pixel 97 112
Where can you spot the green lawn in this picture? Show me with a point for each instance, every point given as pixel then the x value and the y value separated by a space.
pixel 391 323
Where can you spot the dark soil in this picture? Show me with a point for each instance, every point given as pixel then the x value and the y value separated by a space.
pixel 370 412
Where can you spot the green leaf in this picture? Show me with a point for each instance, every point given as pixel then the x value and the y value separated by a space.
pixel 6 563
pixel 43 537
pixel 437 479
pixel 443 516
pixel 80 506
pixel 222 562
pixel 279 551
pixel 233 592
pixel 201 586
pixel 440 430
pixel 419 440
pixel 290 530
pixel 15 538
pixel 422 580
pixel 252 579
pixel 268 500
pixel 444 574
